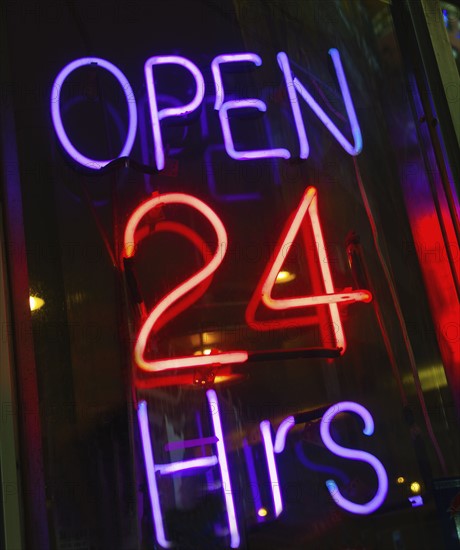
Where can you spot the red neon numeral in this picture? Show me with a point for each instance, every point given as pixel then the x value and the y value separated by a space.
pixel 181 297
pixel 307 206
pixel 170 305
pixel 194 295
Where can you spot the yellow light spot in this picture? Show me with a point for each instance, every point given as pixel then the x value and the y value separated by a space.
pixel 415 487
pixel 220 378
pixel 205 351
pixel 35 303
pixel 262 512
pixel 400 480
pixel 285 277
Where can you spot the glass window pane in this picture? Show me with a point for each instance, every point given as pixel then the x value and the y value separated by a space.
pixel 290 283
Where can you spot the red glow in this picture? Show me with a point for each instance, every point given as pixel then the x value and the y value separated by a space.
pixel 185 378
pixel 164 306
pixel 307 206
pixel 431 250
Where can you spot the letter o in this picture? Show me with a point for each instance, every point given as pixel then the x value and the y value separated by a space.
pixel 56 112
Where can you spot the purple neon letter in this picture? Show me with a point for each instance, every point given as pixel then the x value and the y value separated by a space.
pixel 229 58
pixel 184 465
pixel 151 478
pixel 222 457
pixel 224 106
pixel 283 62
pixel 353 454
pixel 155 115
pixel 272 471
pixel 56 111
pixel 293 84
pixel 227 132
pixel 281 433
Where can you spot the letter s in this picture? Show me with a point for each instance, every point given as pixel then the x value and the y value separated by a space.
pixel 353 454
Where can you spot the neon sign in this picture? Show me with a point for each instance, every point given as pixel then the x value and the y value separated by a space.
pixel 293 86
pixel 219 459
pixel 303 223
pixel 155 319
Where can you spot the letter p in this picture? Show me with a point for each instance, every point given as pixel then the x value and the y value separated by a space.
pixel 157 115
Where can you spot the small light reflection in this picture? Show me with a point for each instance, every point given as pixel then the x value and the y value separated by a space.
pixel 432 377
pixel 400 480
pixel 220 378
pixel 262 512
pixel 415 487
pixel 285 277
pixel 204 351
pixel 457 524
pixel 35 303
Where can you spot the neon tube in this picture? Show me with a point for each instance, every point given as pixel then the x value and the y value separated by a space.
pixel 354 149
pixel 227 133
pixel 229 58
pixel 272 471
pixel 353 454
pixel 252 478
pixel 307 206
pixel 273 324
pixel 142 415
pixel 147 152
pixel 355 128
pixel 204 251
pixel 201 275
pixel 56 112
pixel 283 62
pixel 281 434
pixel 184 465
pixel 224 471
pixel 339 334
pixel 157 115
pixel 343 298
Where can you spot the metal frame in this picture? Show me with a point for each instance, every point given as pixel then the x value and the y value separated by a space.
pixel 419 24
